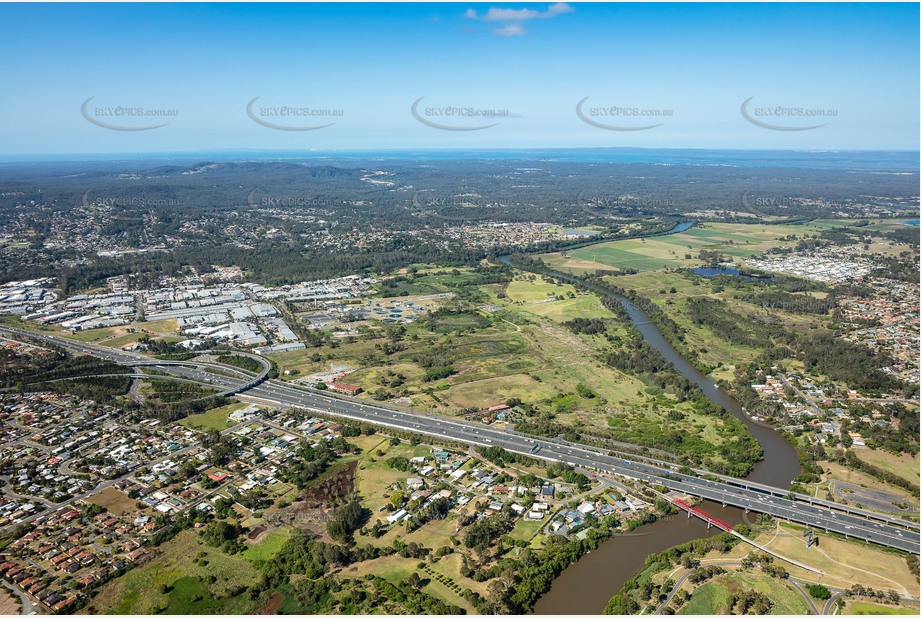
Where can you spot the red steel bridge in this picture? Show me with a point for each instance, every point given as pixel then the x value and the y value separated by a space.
pixel 707 517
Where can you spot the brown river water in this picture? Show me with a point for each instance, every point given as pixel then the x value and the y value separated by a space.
pixel 586 586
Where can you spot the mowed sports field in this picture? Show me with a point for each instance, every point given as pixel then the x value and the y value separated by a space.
pixel 735 239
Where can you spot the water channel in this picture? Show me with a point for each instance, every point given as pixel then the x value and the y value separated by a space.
pixel 586 586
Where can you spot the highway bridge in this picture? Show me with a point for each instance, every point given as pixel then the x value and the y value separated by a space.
pixel 129 359
pixel 890 532
pixel 233 386
pixel 769 490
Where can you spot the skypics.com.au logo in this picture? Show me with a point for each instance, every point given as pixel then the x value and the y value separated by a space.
pixel 785 117
pixel 479 208
pixel 614 206
pixel 124 117
pixel 127 202
pixel 289 201
pixel 290 117
pixel 620 118
pixel 457 117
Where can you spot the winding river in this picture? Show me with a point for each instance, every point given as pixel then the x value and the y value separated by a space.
pixel 586 586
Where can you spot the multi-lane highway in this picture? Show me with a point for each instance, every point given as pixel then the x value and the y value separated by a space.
pixel 761 488
pixel 882 530
pixel 898 534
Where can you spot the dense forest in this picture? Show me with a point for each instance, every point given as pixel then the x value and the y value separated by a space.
pixel 285 221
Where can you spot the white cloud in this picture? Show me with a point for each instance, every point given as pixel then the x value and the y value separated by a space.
pixel 515 17
pixel 559 8
pixel 495 14
pixel 509 30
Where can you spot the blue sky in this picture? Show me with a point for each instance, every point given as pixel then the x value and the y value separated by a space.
pixel 689 65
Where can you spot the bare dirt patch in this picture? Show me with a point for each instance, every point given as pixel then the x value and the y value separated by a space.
pixel 271 607
pixel 338 485
pixel 256 532
pixel 310 513
pixel 114 501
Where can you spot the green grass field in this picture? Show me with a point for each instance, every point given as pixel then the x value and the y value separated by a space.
pixel 267 548
pixel 736 239
pixel 863 608
pixel 372 478
pixel 96 334
pixel 524 529
pixel 123 340
pixel 394 569
pixel 190 595
pixel 433 534
pixel 540 298
pixel 493 391
pixel 713 596
pixel 114 501
pixel 176 566
pixel 903 465
pixel 215 418
pixel 626 254
pixel 710 598
pixel 162 327
pixel 844 562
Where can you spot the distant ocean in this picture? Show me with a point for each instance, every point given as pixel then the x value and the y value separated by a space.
pixel 895 161
pixel 871 161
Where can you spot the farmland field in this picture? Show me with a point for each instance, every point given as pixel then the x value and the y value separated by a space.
pixel 736 239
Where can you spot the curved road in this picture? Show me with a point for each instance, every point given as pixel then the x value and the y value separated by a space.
pixel 795 583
